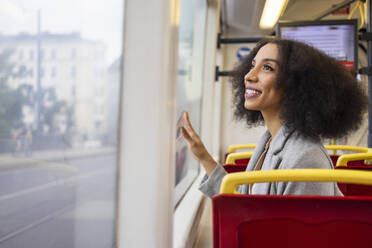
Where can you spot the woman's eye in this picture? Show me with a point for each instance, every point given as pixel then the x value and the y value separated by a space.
pixel 267 67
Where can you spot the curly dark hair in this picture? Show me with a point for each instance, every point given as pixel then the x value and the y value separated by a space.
pixel 321 99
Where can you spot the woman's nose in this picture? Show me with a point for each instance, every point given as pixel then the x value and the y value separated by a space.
pixel 251 76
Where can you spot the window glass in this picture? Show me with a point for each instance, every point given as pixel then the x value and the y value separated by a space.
pixel 189 85
pixel 58 138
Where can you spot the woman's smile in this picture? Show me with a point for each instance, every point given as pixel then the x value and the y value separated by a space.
pixel 251 93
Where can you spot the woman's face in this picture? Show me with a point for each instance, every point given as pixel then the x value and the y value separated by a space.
pixel 260 82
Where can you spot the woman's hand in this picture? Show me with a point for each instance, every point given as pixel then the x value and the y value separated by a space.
pixel 196 146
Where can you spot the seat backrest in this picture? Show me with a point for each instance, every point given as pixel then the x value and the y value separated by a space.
pixel 231 168
pixel 334 159
pixel 243 161
pixel 235 148
pixel 355 189
pixel 291 221
pixel 238 158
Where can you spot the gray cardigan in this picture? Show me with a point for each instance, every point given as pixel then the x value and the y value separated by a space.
pixel 288 150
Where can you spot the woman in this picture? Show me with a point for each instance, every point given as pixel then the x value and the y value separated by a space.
pixel 302 96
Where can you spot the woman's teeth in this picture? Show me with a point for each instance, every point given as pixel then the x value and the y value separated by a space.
pixel 252 92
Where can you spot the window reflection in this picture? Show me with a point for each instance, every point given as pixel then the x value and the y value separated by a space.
pixel 189 88
pixel 58 122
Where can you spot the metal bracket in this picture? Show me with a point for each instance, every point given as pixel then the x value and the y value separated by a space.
pixel 365 36
pixel 221 40
pixel 221 73
pixel 365 70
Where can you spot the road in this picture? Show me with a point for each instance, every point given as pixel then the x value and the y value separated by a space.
pixel 59 203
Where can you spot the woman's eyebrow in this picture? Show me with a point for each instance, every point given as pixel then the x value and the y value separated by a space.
pixel 272 60
pixel 267 59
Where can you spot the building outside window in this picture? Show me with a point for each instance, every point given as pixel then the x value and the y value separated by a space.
pixel 53 54
pixel 73 72
pixel 53 72
pixel 59 176
pixel 73 53
pixel 31 55
pixel 20 56
pixel 42 53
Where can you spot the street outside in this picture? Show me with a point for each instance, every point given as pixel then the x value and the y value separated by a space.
pixel 68 201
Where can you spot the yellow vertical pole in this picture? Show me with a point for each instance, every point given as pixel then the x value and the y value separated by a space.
pixel 333 142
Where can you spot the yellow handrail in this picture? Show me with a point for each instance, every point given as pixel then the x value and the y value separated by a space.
pixel 233 148
pixel 346 148
pixel 232 157
pixel 231 181
pixel 365 153
pixel 344 159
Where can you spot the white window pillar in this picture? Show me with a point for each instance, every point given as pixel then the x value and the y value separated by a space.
pixel 147 125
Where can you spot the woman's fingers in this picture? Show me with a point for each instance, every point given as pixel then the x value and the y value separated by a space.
pixel 196 146
pixel 188 125
pixel 186 134
pixel 193 141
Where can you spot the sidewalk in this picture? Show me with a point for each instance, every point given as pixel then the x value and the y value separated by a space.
pixel 10 160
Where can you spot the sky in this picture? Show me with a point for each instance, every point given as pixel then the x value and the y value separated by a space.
pixel 99 20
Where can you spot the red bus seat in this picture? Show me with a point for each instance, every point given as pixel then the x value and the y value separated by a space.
pixel 334 157
pixel 238 158
pixel 357 158
pixel 292 221
pixel 346 189
pixel 357 163
pixel 231 168
pixel 355 189
pixel 243 161
pixel 236 147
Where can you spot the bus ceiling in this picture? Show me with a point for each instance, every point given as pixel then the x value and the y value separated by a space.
pixel 242 17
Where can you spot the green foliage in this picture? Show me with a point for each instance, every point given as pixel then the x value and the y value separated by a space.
pixel 10 109
pixel 11 100
pixel 52 107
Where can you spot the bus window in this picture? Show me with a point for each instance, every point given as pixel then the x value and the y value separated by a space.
pixel 189 84
pixel 59 93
